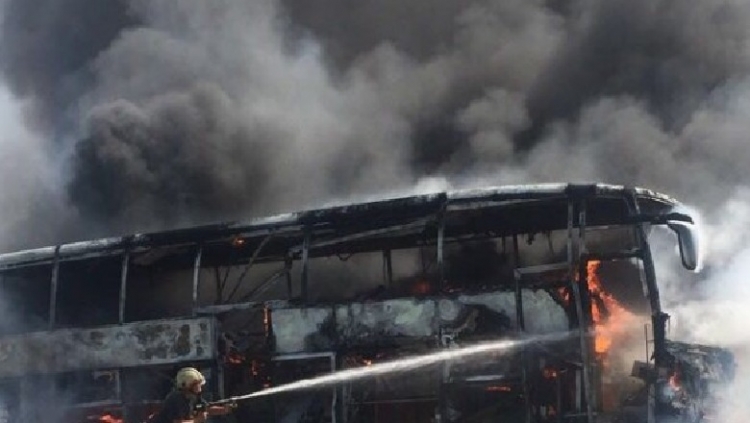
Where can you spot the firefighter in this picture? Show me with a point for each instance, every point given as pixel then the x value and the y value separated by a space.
pixel 184 404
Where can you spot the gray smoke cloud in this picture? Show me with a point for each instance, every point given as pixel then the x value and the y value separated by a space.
pixel 162 115
pixel 136 115
pixel 169 115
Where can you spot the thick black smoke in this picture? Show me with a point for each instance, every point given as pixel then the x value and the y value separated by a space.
pixel 194 112
pixel 48 45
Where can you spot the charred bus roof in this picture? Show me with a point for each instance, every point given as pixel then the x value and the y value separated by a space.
pixel 395 223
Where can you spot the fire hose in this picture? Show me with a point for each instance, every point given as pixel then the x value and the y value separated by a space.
pixel 204 406
pixel 232 401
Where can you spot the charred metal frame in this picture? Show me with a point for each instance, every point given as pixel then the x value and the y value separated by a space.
pixel 196 277
pixel 123 286
pixel 658 317
pixel 108 347
pixel 305 266
pixel 315 242
pixel 388 267
pixel 251 262
pixel 575 250
pixel 53 288
pixel 521 325
pixel 440 247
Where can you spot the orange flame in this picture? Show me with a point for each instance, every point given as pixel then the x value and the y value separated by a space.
pixel 234 358
pixel 674 381
pixel 106 418
pixel 611 320
pixel 422 287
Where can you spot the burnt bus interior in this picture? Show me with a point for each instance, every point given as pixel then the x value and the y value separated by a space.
pixel 98 329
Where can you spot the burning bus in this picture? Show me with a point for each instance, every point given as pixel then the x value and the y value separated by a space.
pixel 95 330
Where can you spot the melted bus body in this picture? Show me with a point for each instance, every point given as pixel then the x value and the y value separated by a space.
pixel 97 329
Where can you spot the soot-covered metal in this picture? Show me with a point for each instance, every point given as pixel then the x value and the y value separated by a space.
pixel 260 303
pixel 130 345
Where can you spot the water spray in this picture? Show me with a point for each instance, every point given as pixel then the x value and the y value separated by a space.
pixel 408 363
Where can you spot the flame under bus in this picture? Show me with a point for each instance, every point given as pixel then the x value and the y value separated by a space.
pixel 104 324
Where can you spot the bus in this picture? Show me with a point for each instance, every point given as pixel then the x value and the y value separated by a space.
pixel 94 331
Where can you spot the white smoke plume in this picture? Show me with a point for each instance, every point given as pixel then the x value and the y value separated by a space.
pixel 124 116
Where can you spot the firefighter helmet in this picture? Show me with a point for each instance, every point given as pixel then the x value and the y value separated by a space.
pixel 188 376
